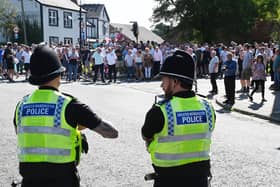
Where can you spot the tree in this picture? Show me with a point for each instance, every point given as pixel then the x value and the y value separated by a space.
pixel 162 30
pixel 8 15
pixel 33 31
pixel 216 20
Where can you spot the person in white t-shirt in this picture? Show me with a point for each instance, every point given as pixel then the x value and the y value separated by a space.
pixel 25 56
pixel 213 71
pixel 129 63
pixel 111 59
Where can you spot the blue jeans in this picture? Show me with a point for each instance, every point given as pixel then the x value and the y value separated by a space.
pixel 277 79
pixel 72 69
pixel 130 72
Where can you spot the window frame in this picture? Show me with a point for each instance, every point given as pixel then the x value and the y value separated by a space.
pixel 52 39
pixel 69 39
pixel 53 19
pixel 67 22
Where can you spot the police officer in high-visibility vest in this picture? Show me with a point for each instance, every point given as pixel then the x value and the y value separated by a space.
pixel 177 130
pixel 48 124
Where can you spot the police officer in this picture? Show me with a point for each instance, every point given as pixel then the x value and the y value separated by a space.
pixel 178 129
pixel 47 125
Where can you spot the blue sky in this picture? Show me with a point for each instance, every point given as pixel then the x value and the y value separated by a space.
pixel 123 11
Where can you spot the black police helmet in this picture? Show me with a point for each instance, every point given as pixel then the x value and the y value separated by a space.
pixel 180 66
pixel 44 66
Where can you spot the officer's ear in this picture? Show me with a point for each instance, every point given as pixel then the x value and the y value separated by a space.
pixel 176 81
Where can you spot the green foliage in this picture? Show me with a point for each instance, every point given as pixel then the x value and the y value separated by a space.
pixel 8 15
pixel 33 30
pixel 275 34
pixel 162 30
pixel 216 20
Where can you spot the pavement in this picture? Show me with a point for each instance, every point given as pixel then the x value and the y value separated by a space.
pixel 269 110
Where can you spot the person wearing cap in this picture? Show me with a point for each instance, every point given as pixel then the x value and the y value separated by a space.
pixel 48 124
pixel 177 130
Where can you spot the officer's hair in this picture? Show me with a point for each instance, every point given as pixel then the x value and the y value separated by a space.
pixel 185 85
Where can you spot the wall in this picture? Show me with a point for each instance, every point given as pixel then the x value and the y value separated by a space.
pixel 103 18
pixel 59 31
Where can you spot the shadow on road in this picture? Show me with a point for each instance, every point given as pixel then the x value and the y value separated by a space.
pixel 255 106
pixel 223 111
pixel 242 96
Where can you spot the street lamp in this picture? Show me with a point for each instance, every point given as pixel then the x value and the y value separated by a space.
pixel 23 22
pixel 80 25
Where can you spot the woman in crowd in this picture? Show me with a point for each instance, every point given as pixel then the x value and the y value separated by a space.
pixel 138 59
pixel 258 76
pixel 148 63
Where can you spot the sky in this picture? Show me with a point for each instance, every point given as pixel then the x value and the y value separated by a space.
pixel 124 11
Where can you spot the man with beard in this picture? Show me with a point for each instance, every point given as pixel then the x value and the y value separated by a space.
pixel 177 130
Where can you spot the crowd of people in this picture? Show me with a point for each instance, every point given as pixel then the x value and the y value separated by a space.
pixel 54 163
pixel 109 61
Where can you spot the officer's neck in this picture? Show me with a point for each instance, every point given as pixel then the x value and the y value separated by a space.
pixel 55 83
pixel 177 89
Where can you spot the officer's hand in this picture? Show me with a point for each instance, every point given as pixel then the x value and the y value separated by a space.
pixel 84 143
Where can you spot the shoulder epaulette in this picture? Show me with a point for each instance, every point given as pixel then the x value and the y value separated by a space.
pixel 25 97
pixel 163 101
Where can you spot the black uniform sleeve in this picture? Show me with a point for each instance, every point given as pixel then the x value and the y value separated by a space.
pixel 77 113
pixel 14 120
pixel 154 122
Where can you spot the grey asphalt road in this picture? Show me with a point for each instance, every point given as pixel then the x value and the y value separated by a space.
pixel 245 150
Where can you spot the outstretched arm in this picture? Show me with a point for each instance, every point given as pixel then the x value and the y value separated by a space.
pixel 106 130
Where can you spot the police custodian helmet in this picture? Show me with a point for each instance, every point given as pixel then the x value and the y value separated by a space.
pixel 180 65
pixel 44 66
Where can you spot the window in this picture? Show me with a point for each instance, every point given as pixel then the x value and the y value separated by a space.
pixel 53 17
pixel 68 41
pixel 104 28
pixel 67 19
pixel 54 40
pixel 91 28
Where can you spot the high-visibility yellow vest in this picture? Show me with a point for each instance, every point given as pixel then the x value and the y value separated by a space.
pixel 42 131
pixel 186 135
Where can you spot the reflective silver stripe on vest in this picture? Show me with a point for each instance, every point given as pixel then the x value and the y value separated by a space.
pixel 180 156
pixel 44 130
pixel 45 151
pixel 184 137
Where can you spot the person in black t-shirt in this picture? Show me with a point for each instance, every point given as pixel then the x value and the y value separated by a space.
pixel 9 60
pixel 48 162
pixel 177 130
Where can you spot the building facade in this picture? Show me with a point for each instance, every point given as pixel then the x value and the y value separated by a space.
pixel 58 20
pixel 97 22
